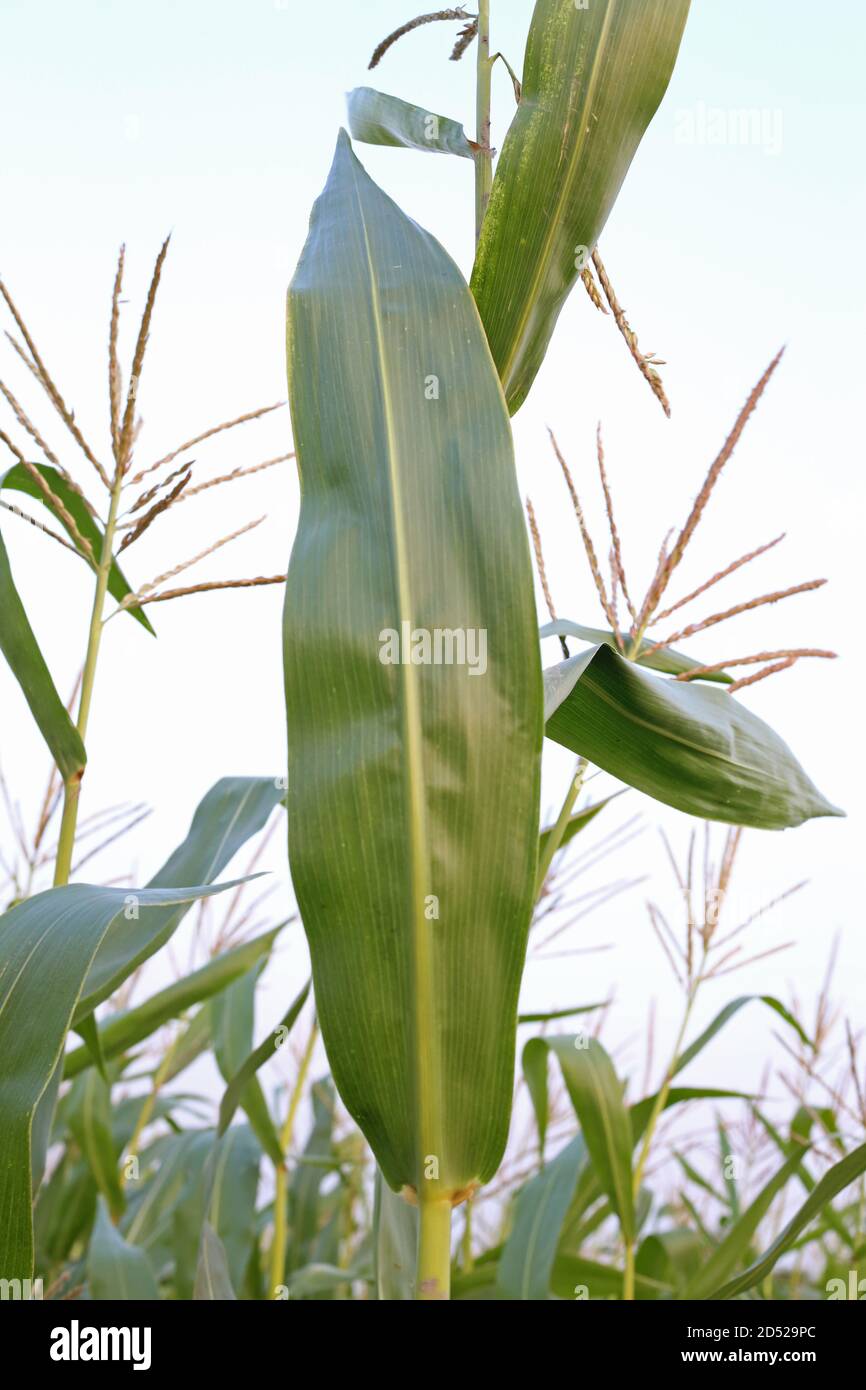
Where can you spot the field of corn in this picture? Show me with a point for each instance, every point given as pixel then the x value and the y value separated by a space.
pixel 392 1121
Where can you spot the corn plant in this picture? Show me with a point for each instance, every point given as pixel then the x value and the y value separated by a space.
pixel 417 709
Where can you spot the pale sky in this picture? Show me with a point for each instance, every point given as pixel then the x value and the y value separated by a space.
pixel 124 120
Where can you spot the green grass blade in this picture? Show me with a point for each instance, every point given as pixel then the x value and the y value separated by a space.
pixel 592 79
pixel 212 1281
pixel 527 1260
pixel 257 1058
pixel 232 1026
pixel 727 1013
pixel 395 1244
pixel 117 1271
pixel 693 747
pixel 413 787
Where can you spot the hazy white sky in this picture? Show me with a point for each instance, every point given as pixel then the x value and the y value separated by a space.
pixel 123 120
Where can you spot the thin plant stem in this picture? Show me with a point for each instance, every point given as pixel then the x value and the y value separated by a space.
pixel 146 1111
pixel 484 154
pixel 281 1192
pixel 554 839
pixel 628 1275
pixel 72 788
pixel 434 1248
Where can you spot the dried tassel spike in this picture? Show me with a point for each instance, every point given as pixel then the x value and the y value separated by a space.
pixel 161 505
pixel 151 492
pixel 124 444
pixel 54 502
pixel 205 588
pixel 27 424
pixel 542 571
pixel 40 371
pixel 592 290
pixel 132 599
pixel 718 464
pixel 644 362
pixel 722 574
pixel 611 521
pixel 233 476
pixel 796 653
pixel 380 51
pixel 584 531
pixel 694 628
pixel 46 530
pixel 760 675
pixel 464 39
pixel 114 378
pixel 190 443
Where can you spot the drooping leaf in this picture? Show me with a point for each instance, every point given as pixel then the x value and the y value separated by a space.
pixel 665 659
pixel 846 1171
pixel 413 787
pixel 212 1280
pixel 21 479
pixel 257 1058
pixel 123 1030
pixel 27 664
pixel 234 809
pixel 592 79
pixel 692 747
pixel 117 1271
pixel 47 946
pixel 378 119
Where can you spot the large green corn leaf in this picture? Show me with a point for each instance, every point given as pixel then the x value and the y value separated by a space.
pixel 693 747
pixel 47 945
pixel 378 119
pixel 21 650
pixel 20 478
pixel 123 1030
pixel 592 79
pixel 413 788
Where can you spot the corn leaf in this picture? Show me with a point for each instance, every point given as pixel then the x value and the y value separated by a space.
pixel 727 1013
pixel 89 1119
pixel 232 1024
pixel 579 821
pixel 21 479
pixel 212 1281
pixel 592 79
pixel 414 786
pixel 257 1058
pixel 843 1173
pixel 666 660
pixel 123 1030
pixel 27 664
pixel 692 747
pixel 116 1270
pixel 395 1244
pixel 527 1260
pixel 378 119
pixel 234 809
pixel 47 946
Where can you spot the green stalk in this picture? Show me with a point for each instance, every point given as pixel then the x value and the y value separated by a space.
pixel 628 1276
pixel 434 1249
pixel 72 789
pixel 484 155
pixel 281 1191
pixel 554 840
